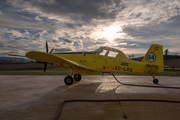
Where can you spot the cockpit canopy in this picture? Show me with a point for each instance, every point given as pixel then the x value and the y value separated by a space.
pixel 110 52
pixel 96 50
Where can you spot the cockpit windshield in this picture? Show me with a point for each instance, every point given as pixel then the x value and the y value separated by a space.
pixel 97 50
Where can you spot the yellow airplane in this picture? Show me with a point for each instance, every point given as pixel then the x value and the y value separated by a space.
pixel 102 60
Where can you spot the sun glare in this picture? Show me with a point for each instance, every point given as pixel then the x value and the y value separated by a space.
pixel 110 33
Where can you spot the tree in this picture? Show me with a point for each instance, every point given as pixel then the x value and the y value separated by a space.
pixel 131 56
pixel 166 51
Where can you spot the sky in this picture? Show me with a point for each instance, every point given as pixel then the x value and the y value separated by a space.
pixel 84 25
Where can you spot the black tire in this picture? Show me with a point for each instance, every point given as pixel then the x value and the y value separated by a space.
pixel 77 77
pixel 68 80
pixel 155 81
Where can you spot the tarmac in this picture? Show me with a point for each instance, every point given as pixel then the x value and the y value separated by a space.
pixel 39 97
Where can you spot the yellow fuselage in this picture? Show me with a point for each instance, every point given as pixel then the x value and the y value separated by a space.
pixel 106 64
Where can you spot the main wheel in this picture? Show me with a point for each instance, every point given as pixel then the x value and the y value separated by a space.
pixel 77 77
pixel 68 80
pixel 155 81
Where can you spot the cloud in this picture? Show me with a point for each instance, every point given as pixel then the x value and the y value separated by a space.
pixel 54 41
pixel 75 24
pixel 22 24
pixel 134 44
pixel 13 33
pixel 37 18
pixel 72 13
pixel 44 32
pixel 68 41
pixel 158 33
pixel 145 12
pixel 125 44
pixel 61 50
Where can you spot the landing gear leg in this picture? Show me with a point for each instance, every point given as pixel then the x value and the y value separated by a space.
pixel 77 77
pixel 155 81
pixel 68 80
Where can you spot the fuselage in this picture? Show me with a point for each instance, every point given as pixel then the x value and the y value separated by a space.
pixel 102 63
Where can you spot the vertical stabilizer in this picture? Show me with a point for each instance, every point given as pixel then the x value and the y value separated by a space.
pixel 154 56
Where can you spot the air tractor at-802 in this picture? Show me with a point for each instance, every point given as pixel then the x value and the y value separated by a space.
pixel 102 60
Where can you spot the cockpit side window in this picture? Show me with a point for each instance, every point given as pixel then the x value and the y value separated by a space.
pixel 112 54
pixel 103 52
pixel 97 50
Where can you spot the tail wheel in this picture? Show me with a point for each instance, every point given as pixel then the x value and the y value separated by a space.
pixel 68 80
pixel 155 81
pixel 77 77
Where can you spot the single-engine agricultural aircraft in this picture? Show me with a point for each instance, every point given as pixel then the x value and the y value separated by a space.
pixel 102 60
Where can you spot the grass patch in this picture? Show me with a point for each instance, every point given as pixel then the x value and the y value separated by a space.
pixel 49 71
pixel 170 73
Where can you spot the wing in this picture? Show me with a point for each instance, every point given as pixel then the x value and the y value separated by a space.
pixel 41 56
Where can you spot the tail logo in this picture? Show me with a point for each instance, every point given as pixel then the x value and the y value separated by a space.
pixel 150 57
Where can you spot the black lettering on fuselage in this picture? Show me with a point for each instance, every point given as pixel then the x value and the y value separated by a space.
pixel 116 67
pixel 123 68
pixel 119 68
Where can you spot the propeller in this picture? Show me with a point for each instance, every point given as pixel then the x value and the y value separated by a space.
pixel 45 65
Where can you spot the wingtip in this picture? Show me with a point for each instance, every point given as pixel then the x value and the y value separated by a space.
pixel 28 54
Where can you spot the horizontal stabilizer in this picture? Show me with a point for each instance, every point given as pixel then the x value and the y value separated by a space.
pixel 156 65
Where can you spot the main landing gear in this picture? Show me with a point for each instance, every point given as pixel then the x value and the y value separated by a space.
pixel 77 77
pixel 68 80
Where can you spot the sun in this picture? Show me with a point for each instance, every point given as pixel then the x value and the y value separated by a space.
pixel 110 33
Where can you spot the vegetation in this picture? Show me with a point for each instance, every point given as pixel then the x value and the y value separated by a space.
pixel 131 56
pixel 50 71
pixel 166 51
pixel 61 71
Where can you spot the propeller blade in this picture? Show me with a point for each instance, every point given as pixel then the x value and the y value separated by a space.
pixel 46 47
pixel 45 66
pixel 51 50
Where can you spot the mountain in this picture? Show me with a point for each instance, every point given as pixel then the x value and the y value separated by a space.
pixel 16 59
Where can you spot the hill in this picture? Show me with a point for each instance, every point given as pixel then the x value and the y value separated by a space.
pixel 16 59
